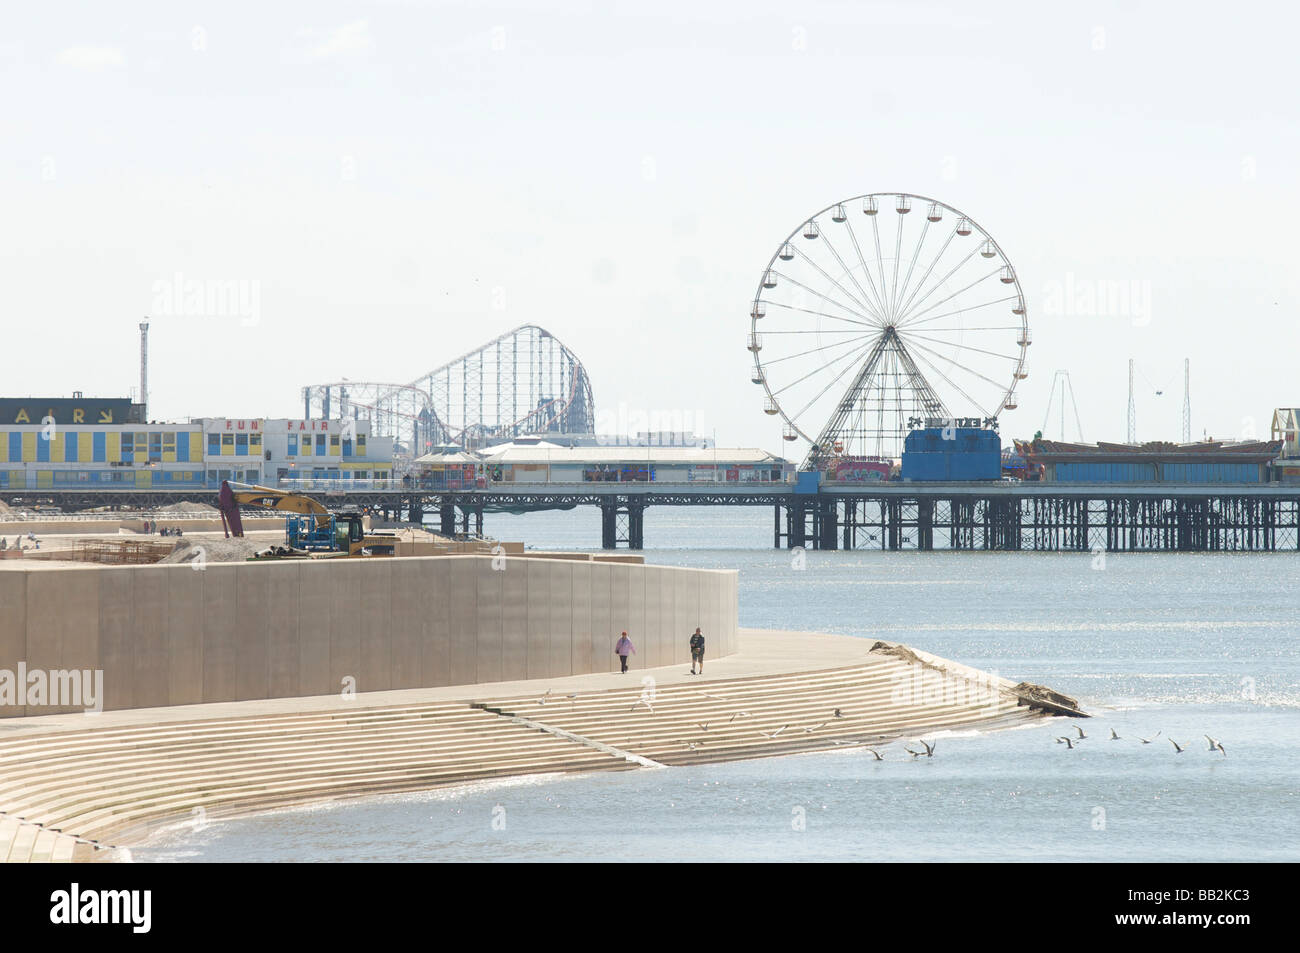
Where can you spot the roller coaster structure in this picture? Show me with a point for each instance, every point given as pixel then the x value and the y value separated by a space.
pixel 523 382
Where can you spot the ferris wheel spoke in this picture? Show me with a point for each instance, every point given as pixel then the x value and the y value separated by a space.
pixel 937 285
pixel 815 350
pixel 879 293
pixel 898 253
pixel 880 316
pixel 915 255
pixel 1006 327
pixel 880 258
pixel 921 284
pixel 965 310
pixel 955 386
pixel 912 318
pixel 819 313
pixel 958 365
pixel 866 322
pixel 822 271
pixel 766 332
pixel 849 355
pixel 965 347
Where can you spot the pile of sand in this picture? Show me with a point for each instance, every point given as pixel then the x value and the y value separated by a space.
pixel 188 506
pixel 218 550
pixel 6 510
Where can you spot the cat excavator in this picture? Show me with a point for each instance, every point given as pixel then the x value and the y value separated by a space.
pixel 311 526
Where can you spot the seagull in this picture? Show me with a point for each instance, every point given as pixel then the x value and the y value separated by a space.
pixel 929 748
pixel 702 725
pixel 1069 743
pixel 1216 746
pixel 814 728
pixel 717 698
pixel 1113 736
pixel 914 754
pixel 775 733
pixel 737 714
pixel 643 702
pixel 838 713
pixel 1177 746
pixel 574 695
pixel 694 744
pixel 1080 731
pixel 876 753
pixel 542 700
pixel 1147 741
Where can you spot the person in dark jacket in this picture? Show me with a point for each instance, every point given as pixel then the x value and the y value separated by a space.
pixel 697 651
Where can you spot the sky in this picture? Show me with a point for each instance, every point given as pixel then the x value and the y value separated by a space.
pixel 383 186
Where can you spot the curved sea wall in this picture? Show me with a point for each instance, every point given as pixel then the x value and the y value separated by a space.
pixel 177 635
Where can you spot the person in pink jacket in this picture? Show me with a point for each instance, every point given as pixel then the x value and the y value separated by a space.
pixel 623 648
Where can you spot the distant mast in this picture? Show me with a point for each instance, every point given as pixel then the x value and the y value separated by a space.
pixel 144 368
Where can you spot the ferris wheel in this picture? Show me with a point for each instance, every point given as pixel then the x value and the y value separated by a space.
pixel 880 312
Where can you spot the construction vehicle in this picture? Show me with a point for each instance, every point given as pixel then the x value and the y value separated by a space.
pixel 311 528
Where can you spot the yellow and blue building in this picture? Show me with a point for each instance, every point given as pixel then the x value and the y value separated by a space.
pixel 105 445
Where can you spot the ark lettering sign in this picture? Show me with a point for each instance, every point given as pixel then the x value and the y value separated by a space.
pixel 67 411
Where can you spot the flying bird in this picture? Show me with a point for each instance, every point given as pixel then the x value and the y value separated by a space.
pixel 814 728
pixel 929 748
pixel 702 725
pixel 737 714
pixel 876 753
pixel 1216 746
pixel 1069 743
pixel 1080 731
pixel 914 754
pixel 775 733
pixel 1177 746
pixel 1113 736
pixel 1147 741
pixel 838 713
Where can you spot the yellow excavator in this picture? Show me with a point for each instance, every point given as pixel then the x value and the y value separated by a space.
pixel 311 527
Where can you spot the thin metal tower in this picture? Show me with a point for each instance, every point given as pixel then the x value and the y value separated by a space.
pixel 1132 408
pixel 144 367
pixel 1187 400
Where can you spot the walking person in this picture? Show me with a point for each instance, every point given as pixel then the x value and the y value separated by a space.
pixel 623 649
pixel 697 650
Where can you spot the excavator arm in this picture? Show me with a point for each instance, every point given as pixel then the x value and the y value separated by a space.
pixel 234 495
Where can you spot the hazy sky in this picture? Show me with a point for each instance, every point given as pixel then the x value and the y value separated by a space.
pixel 390 184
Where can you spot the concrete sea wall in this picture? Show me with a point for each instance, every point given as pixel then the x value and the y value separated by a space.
pixel 173 635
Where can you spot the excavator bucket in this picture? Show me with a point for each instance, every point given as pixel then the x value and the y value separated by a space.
pixel 230 520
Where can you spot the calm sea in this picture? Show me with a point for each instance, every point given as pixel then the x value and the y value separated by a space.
pixel 1157 646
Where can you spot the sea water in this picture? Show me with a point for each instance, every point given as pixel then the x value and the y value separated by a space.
pixel 1156 646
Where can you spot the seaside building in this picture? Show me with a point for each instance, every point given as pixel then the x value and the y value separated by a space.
pixel 48 443
pixel 1206 461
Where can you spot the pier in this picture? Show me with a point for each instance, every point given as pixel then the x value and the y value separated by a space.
pixel 1006 516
